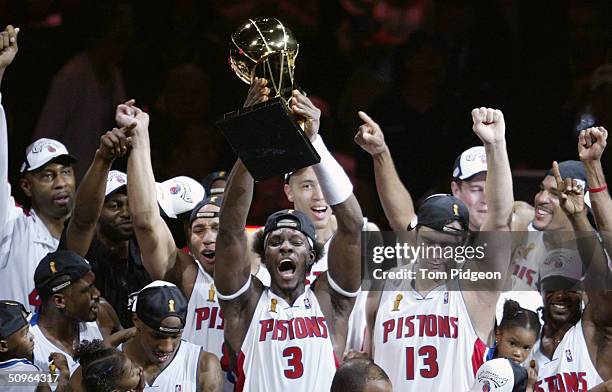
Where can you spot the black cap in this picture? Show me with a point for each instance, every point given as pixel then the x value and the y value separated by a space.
pixel 215 200
pixel 56 264
pixel 212 177
pixel 12 318
pixel 292 219
pixel 439 210
pixel 159 300
pixel 520 376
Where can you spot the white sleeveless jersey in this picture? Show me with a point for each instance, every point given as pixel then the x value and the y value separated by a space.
pixel 21 367
pixel 43 347
pixel 204 324
pixel 287 348
pixel 570 369
pixel 427 343
pixel 181 374
pixel 527 259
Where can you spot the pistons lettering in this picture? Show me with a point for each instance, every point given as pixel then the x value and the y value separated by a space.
pixel 524 273
pixel 420 325
pixel 209 317
pixel 563 382
pixel 295 328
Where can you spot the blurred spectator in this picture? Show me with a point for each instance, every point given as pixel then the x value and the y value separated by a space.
pixel 84 93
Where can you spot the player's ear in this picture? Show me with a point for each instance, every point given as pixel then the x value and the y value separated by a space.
pixel 455 188
pixel 59 301
pixel 288 192
pixel 3 346
pixel 25 186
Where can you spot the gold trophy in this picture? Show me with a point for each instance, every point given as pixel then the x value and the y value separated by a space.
pixel 267 136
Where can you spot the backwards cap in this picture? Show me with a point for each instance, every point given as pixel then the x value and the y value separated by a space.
pixel 159 300
pixel 292 219
pixel 439 210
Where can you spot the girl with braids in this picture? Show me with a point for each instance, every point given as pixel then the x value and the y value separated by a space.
pixel 517 333
pixel 105 369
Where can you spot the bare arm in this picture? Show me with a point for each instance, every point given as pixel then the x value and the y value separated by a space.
pixel 91 192
pixel 8 50
pixel 481 297
pixel 344 257
pixel 211 377
pixel 394 197
pixel 159 252
pixel 234 267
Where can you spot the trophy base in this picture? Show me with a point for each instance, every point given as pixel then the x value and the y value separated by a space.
pixel 268 139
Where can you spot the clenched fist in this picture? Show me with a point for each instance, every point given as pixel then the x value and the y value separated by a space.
pixel 489 125
pixel 592 143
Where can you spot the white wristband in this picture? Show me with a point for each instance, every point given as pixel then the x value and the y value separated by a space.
pixel 336 287
pixel 237 294
pixel 335 184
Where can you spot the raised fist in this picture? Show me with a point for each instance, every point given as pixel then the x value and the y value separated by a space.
pixel 489 125
pixel 8 46
pixel 592 143
pixel 369 136
pixel 128 114
pixel 308 113
pixel 114 144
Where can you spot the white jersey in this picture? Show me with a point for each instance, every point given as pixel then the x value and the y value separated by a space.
pixel 43 347
pixel 182 372
pixel 18 367
pixel 427 343
pixel 570 369
pixel 204 323
pixel 24 238
pixel 527 259
pixel 287 347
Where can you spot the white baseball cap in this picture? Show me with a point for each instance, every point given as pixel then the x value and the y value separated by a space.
pixel 178 195
pixel 42 152
pixel 500 375
pixel 471 162
pixel 114 181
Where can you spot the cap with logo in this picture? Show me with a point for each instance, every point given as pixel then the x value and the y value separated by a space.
pixel 292 219
pixel 13 317
pixel 44 151
pixel 56 264
pixel 214 200
pixel 500 375
pixel 561 269
pixel 437 211
pixel 157 301
pixel 211 178
pixel 179 195
pixel 115 181
pixel 471 162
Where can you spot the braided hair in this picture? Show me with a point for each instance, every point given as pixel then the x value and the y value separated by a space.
pixel 517 316
pixel 101 365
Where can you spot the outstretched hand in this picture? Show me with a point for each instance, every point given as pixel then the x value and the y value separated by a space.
pixel 307 112
pixel 571 194
pixel 592 143
pixel 8 46
pixel 489 125
pixel 369 136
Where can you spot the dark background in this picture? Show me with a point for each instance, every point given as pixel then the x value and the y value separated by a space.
pixel 416 66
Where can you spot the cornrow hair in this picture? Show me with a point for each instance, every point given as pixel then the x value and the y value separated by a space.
pixel 517 316
pixel 101 365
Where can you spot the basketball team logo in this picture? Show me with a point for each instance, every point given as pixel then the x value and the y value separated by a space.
pixel 486 387
pixel 175 189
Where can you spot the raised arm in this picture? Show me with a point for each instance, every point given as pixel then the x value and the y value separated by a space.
pixel 91 192
pixel 394 197
pixel 8 50
pixel 156 243
pixel 481 296
pixel 344 257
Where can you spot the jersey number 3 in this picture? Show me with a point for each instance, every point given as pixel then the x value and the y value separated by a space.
pixel 429 355
pixel 294 355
